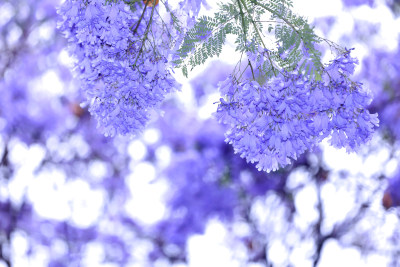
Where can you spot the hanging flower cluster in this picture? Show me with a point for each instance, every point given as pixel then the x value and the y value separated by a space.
pixel 272 124
pixel 124 78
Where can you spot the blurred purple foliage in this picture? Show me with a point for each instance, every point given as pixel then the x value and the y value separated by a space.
pixel 352 3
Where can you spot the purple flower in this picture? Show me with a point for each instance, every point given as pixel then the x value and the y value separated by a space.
pixel 123 78
pixel 274 123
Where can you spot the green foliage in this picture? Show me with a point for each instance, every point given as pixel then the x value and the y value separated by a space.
pixel 204 40
pixel 291 45
pixel 292 49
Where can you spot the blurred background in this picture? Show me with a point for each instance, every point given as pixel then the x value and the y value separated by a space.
pixel 178 195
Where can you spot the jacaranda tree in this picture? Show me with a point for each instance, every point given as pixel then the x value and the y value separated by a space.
pixel 92 114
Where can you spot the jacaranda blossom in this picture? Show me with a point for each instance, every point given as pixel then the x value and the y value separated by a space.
pixel 273 123
pixel 124 78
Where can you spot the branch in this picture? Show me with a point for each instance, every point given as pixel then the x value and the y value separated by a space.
pixel 259 35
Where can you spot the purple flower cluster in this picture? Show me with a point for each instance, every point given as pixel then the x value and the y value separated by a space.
pixel 275 122
pixel 121 59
